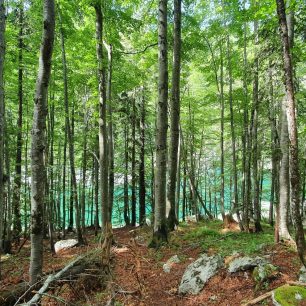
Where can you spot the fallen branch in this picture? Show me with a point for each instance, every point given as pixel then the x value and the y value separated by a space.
pixel 50 279
pixel 259 299
pixel 292 283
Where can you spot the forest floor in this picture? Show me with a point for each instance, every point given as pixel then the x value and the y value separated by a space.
pixel 137 271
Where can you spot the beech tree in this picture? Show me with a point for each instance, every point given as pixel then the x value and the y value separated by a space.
pixel 160 228
pixel 292 130
pixel 38 144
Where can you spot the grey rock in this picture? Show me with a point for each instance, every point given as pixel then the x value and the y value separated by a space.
pixel 302 275
pixel 65 244
pixel 264 272
pixel 168 265
pixel 245 263
pixel 199 272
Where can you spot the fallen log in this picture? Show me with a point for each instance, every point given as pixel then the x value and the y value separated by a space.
pixel 15 294
pixel 52 278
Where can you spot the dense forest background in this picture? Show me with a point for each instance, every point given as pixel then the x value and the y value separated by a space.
pixel 234 148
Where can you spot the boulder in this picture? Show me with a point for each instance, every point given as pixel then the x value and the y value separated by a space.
pixel 288 295
pixel 168 265
pixel 264 272
pixel 302 275
pixel 245 263
pixel 199 272
pixel 65 244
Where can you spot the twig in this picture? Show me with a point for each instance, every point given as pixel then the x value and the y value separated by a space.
pixel 139 51
pixel 259 299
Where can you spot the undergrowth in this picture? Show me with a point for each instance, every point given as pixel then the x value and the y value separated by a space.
pixel 209 237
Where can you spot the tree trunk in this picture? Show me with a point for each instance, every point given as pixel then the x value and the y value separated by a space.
pixel 2 53
pixel 110 131
pixel 70 140
pixel 38 176
pixel 126 213
pixel 222 135
pixel 255 150
pixel 245 139
pixel 292 129
pixel 142 182
pixel 160 229
pixel 234 158
pixel 133 123
pixel 175 116
pixel 17 180
pixel 103 147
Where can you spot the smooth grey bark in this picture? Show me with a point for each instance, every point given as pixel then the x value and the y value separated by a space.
pixel 110 131
pixel 255 149
pixel 133 162
pixel 70 139
pixel 222 134
pixel 284 177
pixel 284 182
pixel 126 212
pixel 2 53
pixel 64 183
pixel 174 117
pixel 103 146
pixel 160 230
pixel 38 145
pixel 292 130
pixel 233 134
pixel 245 139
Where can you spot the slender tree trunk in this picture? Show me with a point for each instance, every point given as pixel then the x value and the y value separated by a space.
pixel 234 157
pixel 17 180
pixel 103 146
pixel 64 183
pixel 175 116
pixel 245 140
pixel 292 129
pixel 84 166
pixel 255 155
pixel 2 53
pixel 38 177
pixel 160 229
pixel 142 182
pixel 96 191
pixel 70 140
pixel 133 118
pixel 222 135
pixel 126 183
pixel 110 132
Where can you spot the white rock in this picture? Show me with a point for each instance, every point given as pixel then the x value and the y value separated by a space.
pixel 199 272
pixel 65 244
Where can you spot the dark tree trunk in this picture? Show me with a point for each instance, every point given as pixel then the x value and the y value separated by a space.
pixel 142 182
pixel 17 180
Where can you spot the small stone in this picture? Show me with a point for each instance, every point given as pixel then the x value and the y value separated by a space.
pixel 213 298
pixel 168 265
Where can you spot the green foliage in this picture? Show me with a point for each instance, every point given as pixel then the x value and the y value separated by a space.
pixel 290 295
pixel 210 238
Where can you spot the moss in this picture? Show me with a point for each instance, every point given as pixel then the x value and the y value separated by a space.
pixel 290 295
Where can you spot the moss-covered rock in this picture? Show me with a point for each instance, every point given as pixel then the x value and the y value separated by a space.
pixel 264 272
pixel 289 296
